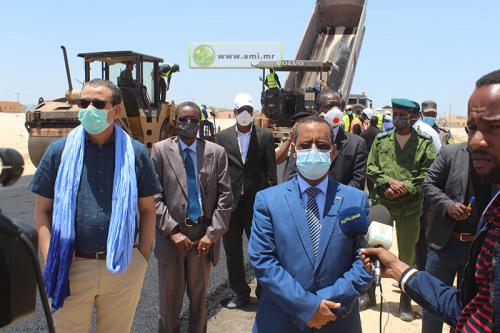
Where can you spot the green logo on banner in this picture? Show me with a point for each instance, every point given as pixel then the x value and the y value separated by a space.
pixel 204 55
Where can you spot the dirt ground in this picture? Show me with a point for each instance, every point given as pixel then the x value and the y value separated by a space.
pixel 14 135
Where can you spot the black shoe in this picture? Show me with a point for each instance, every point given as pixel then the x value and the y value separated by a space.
pixel 363 302
pixel 237 301
pixel 367 300
pixel 405 310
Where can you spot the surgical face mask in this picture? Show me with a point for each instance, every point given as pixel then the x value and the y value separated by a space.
pixel 244 118
pixel 334 117
pixel 313 163
pixel 187 130
pixel 400 122
pixel 349 113
pixel 431 121
pixel 387 126
pixel 93 120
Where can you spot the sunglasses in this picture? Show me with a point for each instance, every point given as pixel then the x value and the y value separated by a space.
pixel 319 146
pixel 99 104
pixel 188 120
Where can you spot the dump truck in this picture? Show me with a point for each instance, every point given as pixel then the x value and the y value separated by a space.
pixel 144 117
pixel 327 56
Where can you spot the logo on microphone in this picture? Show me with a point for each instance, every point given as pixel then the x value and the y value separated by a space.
pixel 350 218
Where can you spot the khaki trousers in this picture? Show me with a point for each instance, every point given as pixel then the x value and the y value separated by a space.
pixel 115 296
pixel 407 232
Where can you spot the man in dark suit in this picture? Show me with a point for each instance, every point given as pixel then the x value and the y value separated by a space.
pixel 449 186
pixel 252 167
pixel 192 215
pixel 349 163
pixel 369 135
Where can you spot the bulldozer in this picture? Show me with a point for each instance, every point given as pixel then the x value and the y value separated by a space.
pixel 144 116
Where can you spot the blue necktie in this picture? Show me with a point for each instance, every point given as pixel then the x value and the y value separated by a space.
pixel 313 219
pixel 194 210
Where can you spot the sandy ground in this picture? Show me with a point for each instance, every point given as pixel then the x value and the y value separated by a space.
pixel 14 135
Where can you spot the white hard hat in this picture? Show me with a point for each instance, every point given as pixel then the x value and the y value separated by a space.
pixel 242 100
pixel 334 117
pixel 368 112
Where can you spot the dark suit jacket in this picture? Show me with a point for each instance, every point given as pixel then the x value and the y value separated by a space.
pixel 349 163
pixel 446 183
pixel 369 135
pixel 259 170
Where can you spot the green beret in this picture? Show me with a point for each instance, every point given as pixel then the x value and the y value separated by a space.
pixel 405 104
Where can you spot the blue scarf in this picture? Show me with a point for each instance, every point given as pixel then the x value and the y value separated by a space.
pixel 123 213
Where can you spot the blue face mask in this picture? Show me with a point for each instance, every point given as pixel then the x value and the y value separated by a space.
pixel 431 121
pixel 312 163
pixel 93 120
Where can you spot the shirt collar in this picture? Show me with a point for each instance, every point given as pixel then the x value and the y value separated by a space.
pixel 335 132
pixel 247 134
pixel 110 143
pixel 304 185
pixel 419 123
pixel 192 147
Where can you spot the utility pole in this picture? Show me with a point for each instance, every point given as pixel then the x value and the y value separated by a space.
pixel 449 116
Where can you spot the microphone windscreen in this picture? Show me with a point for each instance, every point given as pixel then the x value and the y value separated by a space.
pixel 380 214
pixel 380 230
pixel 353 221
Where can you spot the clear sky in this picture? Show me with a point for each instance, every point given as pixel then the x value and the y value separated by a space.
pixel 419 49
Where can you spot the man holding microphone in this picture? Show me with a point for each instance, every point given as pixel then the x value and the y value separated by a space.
pixel 472 308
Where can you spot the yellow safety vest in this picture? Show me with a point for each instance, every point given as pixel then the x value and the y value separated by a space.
pixel 380 119
pixel 356 121
pixel 167 74
pixel 347 123
pixel 271 81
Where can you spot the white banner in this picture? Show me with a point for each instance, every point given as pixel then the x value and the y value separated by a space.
pixel 232 55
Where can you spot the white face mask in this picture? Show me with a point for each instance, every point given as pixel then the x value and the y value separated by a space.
pixel 244 118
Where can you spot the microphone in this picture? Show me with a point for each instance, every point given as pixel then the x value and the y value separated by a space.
pixel 379 234
pixel 354 224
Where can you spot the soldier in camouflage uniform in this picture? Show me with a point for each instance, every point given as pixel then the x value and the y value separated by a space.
pixel 397 164
pixel 429 114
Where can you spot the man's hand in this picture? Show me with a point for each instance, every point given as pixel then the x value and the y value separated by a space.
pixel 458 211
pixel 323 314
pixel 292 132
pixel 398 187
pixel 389 194
pixel 181 242
pixel 392 266
pixel 204 246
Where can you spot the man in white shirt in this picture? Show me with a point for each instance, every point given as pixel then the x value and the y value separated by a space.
pixel 252 167
pixel 421 247
pixel 417 123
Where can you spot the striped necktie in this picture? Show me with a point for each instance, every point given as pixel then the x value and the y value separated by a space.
pixel 313 219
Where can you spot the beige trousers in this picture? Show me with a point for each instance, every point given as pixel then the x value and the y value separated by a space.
pixel 115 296
pixel 189 271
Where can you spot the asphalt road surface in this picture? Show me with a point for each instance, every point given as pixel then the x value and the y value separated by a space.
pixel 17 202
